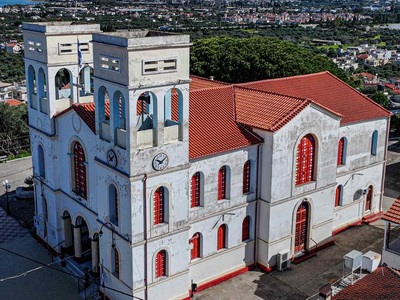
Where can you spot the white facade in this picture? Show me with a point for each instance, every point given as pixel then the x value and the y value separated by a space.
pixel 153 70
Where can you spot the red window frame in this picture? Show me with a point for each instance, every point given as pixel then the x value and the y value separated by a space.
pixel 80 170
pixel 196 192
pixel 305 159
pixel 161 264
pixel 221 239
pixel 222 183
pixel 159 205
pixel 195 240
pixel 301 228
pixel 340 152
pixel 116 204
pixel 116 261
pixel 246 229
pixel 338 195
pixel 246 177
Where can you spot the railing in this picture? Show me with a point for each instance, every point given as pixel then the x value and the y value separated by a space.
pixel 316 246
pixel 88 281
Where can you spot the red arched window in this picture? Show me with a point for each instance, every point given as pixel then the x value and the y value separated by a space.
pixel 222 183
pixel 79 170
pixel 341 159
pixel 221 242
pixel 246 177
pixel 246 229
pixel 161 264
pixel 338 196
pixel 305 159
pixel 116 262
pixel 196 192
pixel 195 240
pixel 159 205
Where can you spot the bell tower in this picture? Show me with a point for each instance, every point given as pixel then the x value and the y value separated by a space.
pixel 141 81
pixel 58 60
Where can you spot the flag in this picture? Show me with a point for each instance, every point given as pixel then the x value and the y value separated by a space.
pixel 79 54
pixel 102 276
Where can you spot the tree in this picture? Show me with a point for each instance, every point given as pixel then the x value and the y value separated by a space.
pixel 237 60
pixel 381 99
pixel 14 131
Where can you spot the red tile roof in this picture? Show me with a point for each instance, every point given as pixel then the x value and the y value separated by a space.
pixel 393 214
pixel 13 102
pixel 212 126
pixel 326 90
pixel 267 111
pixel 383 283
pixel 203 83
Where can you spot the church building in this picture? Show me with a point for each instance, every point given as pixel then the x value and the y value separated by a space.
pixel 157 179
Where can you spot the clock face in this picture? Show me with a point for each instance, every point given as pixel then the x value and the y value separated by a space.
pixel 112 158
pixel 160 161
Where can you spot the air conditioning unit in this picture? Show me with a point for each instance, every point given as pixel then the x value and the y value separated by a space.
pixel 283 260
pixel 362 192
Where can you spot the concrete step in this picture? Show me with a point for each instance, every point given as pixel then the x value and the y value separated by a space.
pixel 71 266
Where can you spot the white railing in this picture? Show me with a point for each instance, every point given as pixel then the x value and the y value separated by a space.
pixel 44 104
pixel 34 101
pixel 171 134
pixel 62 104
pixel 145 138
pixel 121 138
pixel 105 131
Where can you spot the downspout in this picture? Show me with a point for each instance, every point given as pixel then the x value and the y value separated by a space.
pixel 146 290
pixel 384 165
pixel 256 219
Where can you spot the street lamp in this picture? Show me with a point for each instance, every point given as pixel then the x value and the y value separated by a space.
pixel 112 232
pixel 6 189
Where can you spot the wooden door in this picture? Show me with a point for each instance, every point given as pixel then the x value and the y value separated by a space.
pixel 368 200
pixel 301 228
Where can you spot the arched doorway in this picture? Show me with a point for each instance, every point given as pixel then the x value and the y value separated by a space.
pixel 301 234
pixel 68 246
pixel 368 199
pixel 82 241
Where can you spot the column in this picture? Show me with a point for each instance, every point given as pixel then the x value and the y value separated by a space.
pixel 95 254
pixel 67 231
pixel 77 241
pixel 86 78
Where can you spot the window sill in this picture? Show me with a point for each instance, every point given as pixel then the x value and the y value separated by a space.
pixel 220 201
pixel 161 278
pixel 221 250
pixel 195 259
pixel 196 208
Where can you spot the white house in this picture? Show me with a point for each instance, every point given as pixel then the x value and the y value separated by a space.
pixel 158 179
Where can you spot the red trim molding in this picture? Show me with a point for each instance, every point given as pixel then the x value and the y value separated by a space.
pixel 223 278
pixel 371 218
pixel 356 223
pixel 265 269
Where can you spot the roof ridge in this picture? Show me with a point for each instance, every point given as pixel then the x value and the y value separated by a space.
pixel 284 78
pixel 283 121
pixel 361 94
pixel 210 80
pixel 212 88
pixel 267 92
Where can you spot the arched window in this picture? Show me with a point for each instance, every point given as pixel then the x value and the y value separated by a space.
pixel 339 195
pixel 113 204
pixel 195 241
pixel 79 170
pixel 116 262
pixel 159 206
pixel 342 149
pixel 374 143
pixel 222 183
pixel 161 264
pixel 196 190
pixel 305 159
pixel 221 240
pixel 41 164
pixel 246 229
pixel 246 177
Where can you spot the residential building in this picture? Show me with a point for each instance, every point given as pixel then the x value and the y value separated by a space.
pixel 169 179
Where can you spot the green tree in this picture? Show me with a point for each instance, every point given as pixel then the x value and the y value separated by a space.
pixel 381 99
pixel 14 131
pixel 237 60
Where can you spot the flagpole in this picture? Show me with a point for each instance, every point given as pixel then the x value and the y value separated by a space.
pixel 79 52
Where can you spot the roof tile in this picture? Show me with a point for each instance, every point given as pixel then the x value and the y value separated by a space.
pixel 326 90
pixel 393 213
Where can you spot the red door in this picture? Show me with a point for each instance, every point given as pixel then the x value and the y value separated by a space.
pixel 368 201
pixel 301 228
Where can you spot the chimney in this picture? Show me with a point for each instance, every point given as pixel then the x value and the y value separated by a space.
pixel 211 77
pixel 325 293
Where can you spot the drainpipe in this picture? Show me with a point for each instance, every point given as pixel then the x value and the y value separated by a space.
pixel 256 209
pixel 384 164
pixel 146 290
